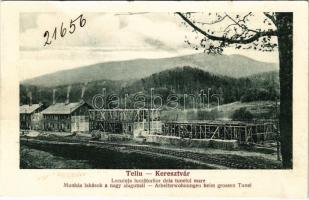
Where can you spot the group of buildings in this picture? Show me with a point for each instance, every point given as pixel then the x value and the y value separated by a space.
pixel 80 117
pixel 58 117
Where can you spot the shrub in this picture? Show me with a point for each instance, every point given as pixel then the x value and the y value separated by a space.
pixel 207 115
pixel 242 114
pixel 258 94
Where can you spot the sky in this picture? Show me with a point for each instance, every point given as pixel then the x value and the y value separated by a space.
pixel 108 37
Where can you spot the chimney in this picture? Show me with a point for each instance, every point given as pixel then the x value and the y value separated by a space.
pixel 83 91
pixel 54 96
pixel 67 101
pixel 30 98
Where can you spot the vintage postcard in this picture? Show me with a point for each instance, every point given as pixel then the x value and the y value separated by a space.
pixel 187 99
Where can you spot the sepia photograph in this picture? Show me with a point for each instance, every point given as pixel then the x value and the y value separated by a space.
pixel 126 99
pixel 149 90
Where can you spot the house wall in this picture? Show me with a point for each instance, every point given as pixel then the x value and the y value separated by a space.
pixel 81 111
pixel 112 127
pixel 80 119
pixel 80 124
pixel 57 122
pixel 37 121
pixel 25 121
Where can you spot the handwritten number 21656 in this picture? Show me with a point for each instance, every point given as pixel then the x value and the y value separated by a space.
pixel 63 30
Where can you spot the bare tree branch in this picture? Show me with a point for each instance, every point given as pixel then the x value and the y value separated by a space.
pixel 213 22
pixel 271 17
pixel 228 40
pixel 241 25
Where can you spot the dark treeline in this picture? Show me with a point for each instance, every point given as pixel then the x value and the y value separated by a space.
pixel 177 82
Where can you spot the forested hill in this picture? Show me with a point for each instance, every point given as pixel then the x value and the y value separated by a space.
pixel 188 80
pixel 227 65
pixel 179 81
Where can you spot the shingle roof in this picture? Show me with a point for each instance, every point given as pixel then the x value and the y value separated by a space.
pixel 62 108
pixel 26 109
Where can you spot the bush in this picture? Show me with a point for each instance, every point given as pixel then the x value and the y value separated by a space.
pixel 258 94
pixel 242 114
pixel 207 115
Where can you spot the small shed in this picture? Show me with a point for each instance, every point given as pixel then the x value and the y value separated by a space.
pixel 67 117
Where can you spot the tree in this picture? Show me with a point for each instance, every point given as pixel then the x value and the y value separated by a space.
pixel 242 114
pixel 276 32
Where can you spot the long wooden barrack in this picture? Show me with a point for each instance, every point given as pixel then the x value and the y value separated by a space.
pixel 257 132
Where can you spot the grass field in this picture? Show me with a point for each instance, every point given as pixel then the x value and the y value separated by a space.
pixel 259 109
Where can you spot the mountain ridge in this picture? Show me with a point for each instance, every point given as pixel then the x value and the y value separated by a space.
pixel 235 66
pixel 177 81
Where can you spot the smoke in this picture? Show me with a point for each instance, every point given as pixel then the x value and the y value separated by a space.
pixel 83 90
pixel 68 95
pixel 68 92
pixel 54 96
pixel 30 98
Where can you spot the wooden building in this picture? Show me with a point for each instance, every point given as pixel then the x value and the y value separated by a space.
pixel 67 117
pixel 30 116
pixel 243 132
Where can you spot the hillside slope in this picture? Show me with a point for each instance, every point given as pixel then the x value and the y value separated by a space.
pixel 233 65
